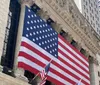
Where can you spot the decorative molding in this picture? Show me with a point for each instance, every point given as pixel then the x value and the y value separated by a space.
pixel 79 25
pixel 28 2
pixel 61 3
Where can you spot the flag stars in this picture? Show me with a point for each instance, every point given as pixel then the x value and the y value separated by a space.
pixel 40 38
pixel 50 45
pixel 55 55
pixel 45 24
pixel 29 10
pixel 37 32
pixel 41 20
pixel 27 28
pixel 32 22
pixel 45 36
pixel 35 15
pixel 31 28
pixel 34 33
pixel 37 38
pixel 29 16
pixel 40 31
pixel 41 26
pixel 48 35
pixel 45 48
pixel 27 35
pixel 40 44
pixel 32 16
pixel 43 31
pixel 33 39
pixel 28 22
pixel 48 29
pixel 37 26
pixel 43 43
pixel 38 21
pixel 30 34
pixel 34 27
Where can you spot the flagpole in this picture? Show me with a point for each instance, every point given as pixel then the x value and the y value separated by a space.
pixel 38 73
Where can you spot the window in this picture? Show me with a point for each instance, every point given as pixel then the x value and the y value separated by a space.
pixel 86 3
pixel 97 30
pixel 87 10
pixel 83 51
pixel 84 14
pixel 74 43
pixel 91 5
pixel 98 73
pixel 63 33
pixel 84 6
pixel 90 8
pixel 99 82
pixel 93 17
pixel 89 1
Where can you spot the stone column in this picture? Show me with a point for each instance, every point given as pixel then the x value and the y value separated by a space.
pixel 19 73
pixel 93 64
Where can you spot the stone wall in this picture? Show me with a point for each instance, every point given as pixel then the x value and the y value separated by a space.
pixel 4 9
pixel 8 80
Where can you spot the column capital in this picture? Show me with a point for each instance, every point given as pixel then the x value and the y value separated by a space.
pixel 26 2
pixel 93 60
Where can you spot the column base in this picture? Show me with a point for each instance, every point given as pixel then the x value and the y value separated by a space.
pixel 20 75
pixel 1 68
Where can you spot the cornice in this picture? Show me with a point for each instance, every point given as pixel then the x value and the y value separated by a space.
pixel 27 2
pixel 87 35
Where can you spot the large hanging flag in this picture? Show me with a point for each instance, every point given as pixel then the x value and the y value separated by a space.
pixel 41 43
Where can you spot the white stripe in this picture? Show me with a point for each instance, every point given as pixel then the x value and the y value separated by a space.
pixel 73 51
pixel 39 68
pixel 71 56
pixel 49 55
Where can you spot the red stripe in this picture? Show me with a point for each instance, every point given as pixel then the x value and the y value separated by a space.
pixel 73 47
pixel 73 55
pixel 62 60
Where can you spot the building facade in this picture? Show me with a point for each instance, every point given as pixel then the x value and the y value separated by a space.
pixel 90 10
pixel 64 17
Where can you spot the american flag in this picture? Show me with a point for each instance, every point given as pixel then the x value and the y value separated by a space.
pixel 43 74
pixel 41 43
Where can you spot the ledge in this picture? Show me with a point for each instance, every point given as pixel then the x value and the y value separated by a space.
pixel 8 80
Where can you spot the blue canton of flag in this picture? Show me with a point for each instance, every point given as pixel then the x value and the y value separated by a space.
pixel 40 33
